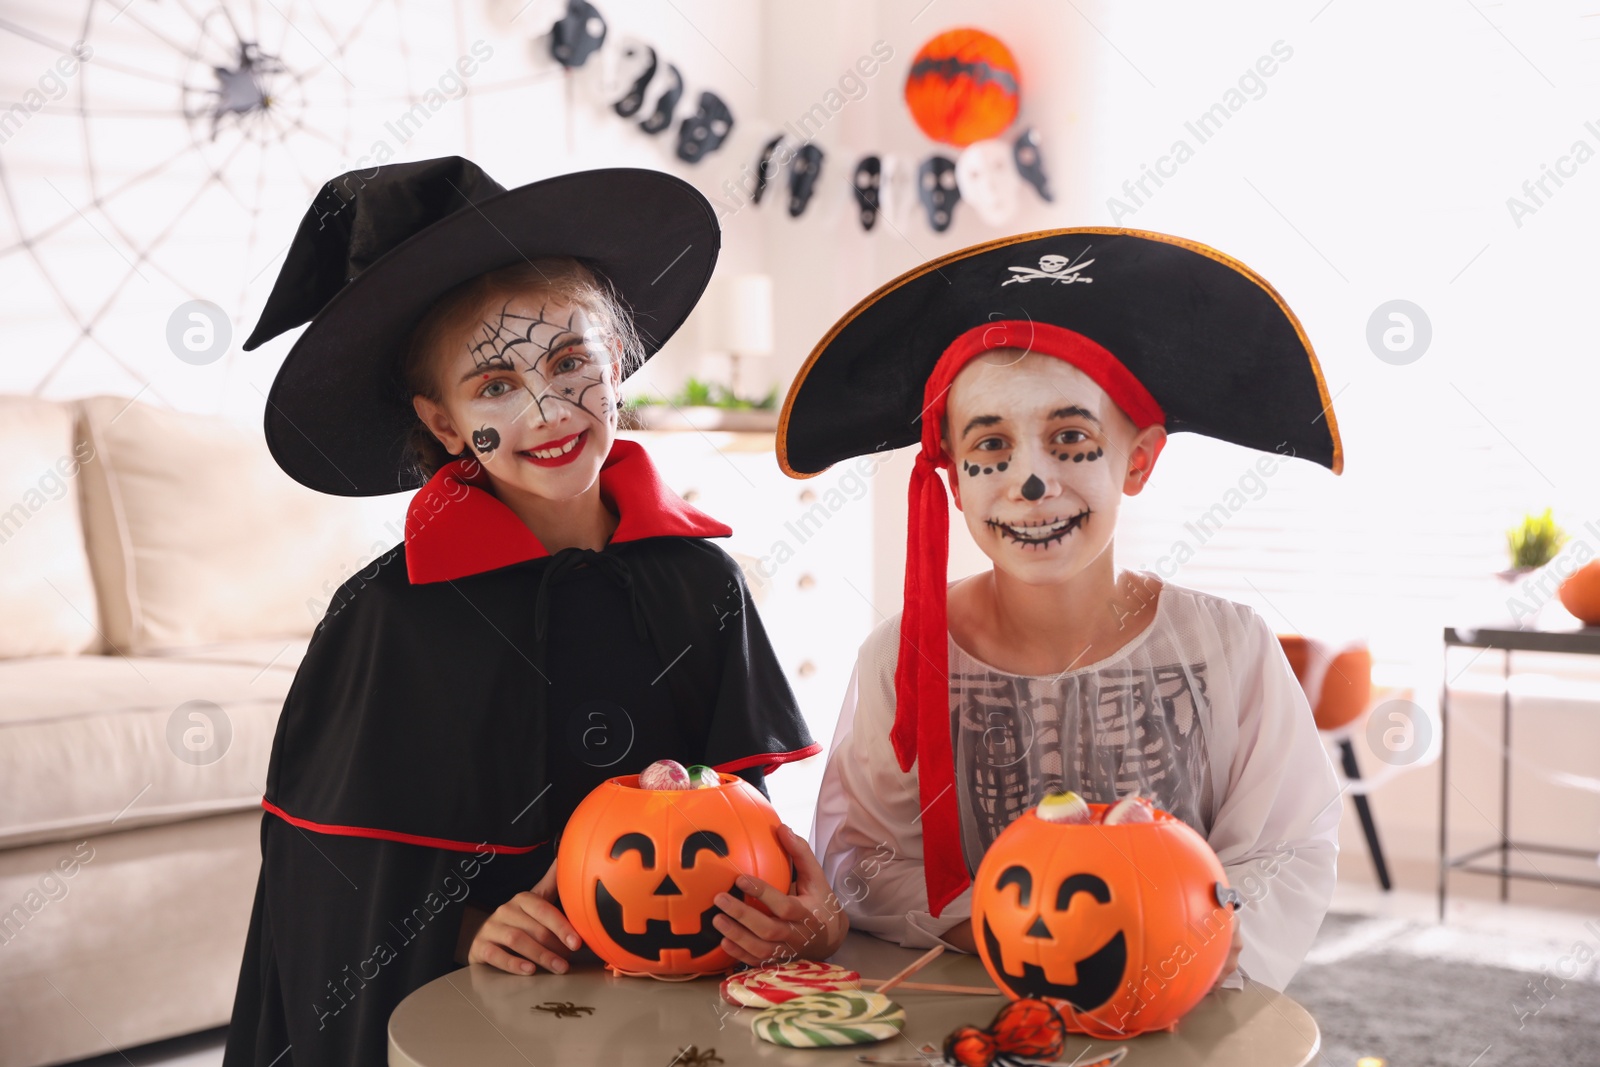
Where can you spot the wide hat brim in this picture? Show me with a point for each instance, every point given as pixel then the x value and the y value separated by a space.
pixel 1216 345
pixel 336 419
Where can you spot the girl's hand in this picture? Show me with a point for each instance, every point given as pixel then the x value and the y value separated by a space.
pixel 526 930
pixel 810 924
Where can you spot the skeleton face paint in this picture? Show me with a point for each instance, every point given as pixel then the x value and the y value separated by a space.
pixel 1016 420
pixel 537 377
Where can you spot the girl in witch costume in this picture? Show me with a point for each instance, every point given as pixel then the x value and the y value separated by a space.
pixel 554 617
pixel 1043 373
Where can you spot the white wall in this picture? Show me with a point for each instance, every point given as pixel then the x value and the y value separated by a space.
pixel 1375 163
pixel 116 209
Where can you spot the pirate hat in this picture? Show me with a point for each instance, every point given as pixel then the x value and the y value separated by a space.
pixel 1175 332
pixel 378 247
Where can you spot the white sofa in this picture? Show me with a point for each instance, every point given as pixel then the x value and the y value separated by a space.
pixel 159 579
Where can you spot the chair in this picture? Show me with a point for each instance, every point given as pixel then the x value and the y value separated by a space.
pixel 1338 686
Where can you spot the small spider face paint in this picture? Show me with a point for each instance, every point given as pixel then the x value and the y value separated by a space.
pixel 1015 421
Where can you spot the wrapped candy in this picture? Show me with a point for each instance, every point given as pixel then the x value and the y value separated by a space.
pixel 1066 807
pixel 665 774
pixel 1131 808
pixel 703 777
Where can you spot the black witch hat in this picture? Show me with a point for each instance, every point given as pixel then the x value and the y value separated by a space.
pixel 376 249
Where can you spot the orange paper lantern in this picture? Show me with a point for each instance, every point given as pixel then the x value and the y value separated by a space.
pixel 638 870
pixel 964 86
pixel 1121 927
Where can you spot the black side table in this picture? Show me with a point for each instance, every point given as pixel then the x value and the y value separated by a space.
pixel 1584 642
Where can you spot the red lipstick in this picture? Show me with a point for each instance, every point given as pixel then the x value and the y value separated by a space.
pixel 574 443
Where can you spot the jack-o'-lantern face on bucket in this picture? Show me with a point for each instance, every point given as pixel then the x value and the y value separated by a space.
pixel 1122 928
pixel 704 881
pixel 1084 979
pixel 638 870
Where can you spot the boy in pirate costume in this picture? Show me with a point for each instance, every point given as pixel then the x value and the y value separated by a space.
pixel 554 617
pixel 1042 373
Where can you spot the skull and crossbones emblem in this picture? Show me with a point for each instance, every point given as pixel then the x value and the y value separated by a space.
pixel 1053 269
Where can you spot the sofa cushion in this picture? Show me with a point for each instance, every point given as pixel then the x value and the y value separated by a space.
pixel 98 743
pixel 45 584
pixel 196 537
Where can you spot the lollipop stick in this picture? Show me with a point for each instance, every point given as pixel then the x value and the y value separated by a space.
pixel 935 987
pixel 911 968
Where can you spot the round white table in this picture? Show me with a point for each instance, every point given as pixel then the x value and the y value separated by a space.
pixel 482 1017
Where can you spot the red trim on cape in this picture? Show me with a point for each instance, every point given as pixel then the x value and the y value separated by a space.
pixel 769 760
pixel 394 835
pixel 456 527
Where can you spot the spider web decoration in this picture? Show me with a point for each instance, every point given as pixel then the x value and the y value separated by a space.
pixel 176 160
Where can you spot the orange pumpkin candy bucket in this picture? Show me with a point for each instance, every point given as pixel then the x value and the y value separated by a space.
pixel 1122 927
pixel 638 870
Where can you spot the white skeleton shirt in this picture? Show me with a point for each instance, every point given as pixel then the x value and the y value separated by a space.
pixel 1200 711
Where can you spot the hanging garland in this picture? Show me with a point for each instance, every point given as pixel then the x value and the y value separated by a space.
pixel 964 89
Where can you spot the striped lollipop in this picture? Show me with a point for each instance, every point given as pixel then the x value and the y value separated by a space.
pixel 764 987
pixel 816 1020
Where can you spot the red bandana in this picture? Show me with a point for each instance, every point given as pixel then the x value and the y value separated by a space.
pixel 921 732
pixel 455 527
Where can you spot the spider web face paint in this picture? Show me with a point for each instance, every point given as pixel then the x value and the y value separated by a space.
pixel 561 359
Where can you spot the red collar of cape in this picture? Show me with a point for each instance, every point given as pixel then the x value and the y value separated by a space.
pixel 456 527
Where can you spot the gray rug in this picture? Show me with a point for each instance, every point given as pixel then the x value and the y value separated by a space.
pixel 1434 996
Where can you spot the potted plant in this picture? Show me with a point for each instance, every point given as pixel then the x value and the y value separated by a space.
pixel 700 405
pixel 1532 544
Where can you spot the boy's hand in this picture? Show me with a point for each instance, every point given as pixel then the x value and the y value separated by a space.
pixel 526 930
pixel 809 924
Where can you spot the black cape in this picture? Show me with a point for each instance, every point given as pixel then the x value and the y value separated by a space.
pixel 437 737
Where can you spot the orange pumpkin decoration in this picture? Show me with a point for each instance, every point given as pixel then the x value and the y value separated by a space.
pixel 1344 690
pixel 638 870
pixel 964 86
pixel 1580 593
pixel 1120 927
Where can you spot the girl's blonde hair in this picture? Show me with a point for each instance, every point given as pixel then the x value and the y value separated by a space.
pixel 458 311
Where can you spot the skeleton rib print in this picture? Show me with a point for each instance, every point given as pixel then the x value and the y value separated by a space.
pixel 1099 733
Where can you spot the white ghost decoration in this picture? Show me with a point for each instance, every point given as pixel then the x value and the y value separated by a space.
pixel 614 71
pixel 988 181
pixel 897 191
